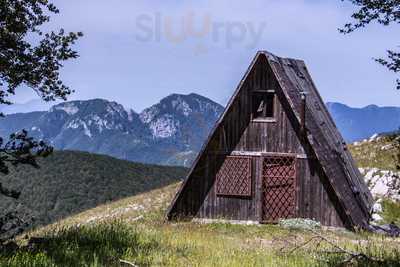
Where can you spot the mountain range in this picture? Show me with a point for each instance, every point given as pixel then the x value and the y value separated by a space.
pixel 360 123
pixel 170 132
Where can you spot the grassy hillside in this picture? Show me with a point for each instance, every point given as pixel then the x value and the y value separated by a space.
pixel 375 153
pixel 376 156
pixel 134 230
pixel 70 182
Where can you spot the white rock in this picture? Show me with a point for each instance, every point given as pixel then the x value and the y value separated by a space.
pixel 381 187
pixel 86 130
pixel 377 208
pixel 75 124
pixel 180 105
pixel 149 114
pixel 115 108
pixel 206 106
pixel 382 183
pixel 373 137
pixel 68 108
pixel 376 217
pixel 164 127
pixel 131 114
pixel 386 147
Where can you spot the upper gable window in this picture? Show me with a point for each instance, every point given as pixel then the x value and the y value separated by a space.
pixel 263 105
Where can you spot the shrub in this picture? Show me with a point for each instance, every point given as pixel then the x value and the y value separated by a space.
pixel 391 211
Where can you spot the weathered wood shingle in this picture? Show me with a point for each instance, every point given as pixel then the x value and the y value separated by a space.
pixel 325 139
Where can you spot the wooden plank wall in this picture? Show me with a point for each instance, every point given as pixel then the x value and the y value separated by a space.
pixel 313 200
pixel 232 208
pixel 238 133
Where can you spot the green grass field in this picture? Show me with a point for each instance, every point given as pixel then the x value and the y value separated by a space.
pixel 134 230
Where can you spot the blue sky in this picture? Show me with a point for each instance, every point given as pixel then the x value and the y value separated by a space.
pixel 136 52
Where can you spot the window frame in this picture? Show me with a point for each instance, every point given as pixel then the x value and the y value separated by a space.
pixel 263 119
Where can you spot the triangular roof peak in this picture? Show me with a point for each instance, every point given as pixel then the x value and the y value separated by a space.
pixel 322 136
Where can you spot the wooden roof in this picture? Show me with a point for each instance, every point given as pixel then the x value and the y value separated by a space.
pixel 323 136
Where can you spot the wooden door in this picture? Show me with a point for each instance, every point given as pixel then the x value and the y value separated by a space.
pixel 278 188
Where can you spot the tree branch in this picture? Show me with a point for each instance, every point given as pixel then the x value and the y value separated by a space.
pixel 337 249
pixel 383 12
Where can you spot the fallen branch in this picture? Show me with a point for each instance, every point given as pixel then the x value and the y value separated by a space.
pixel 350 255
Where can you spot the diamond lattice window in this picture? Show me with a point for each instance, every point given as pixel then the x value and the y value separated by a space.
pixel 234 177
pixel 279 174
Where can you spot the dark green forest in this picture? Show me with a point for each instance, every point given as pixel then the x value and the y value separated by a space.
pixel 69 182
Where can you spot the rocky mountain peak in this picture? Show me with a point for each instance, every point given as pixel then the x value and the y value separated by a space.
pixel 169 117
pixel 93 106
pixel 169 132
pixel 90 117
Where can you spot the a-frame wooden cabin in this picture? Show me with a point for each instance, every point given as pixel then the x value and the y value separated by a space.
pixel 275 153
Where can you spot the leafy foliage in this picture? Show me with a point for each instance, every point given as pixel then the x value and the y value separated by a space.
pixel 29 57
pixel 21 149
pixel 392 63
pixel 12 224
pixel 69 182
pixel 21 62
pixel 384 12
